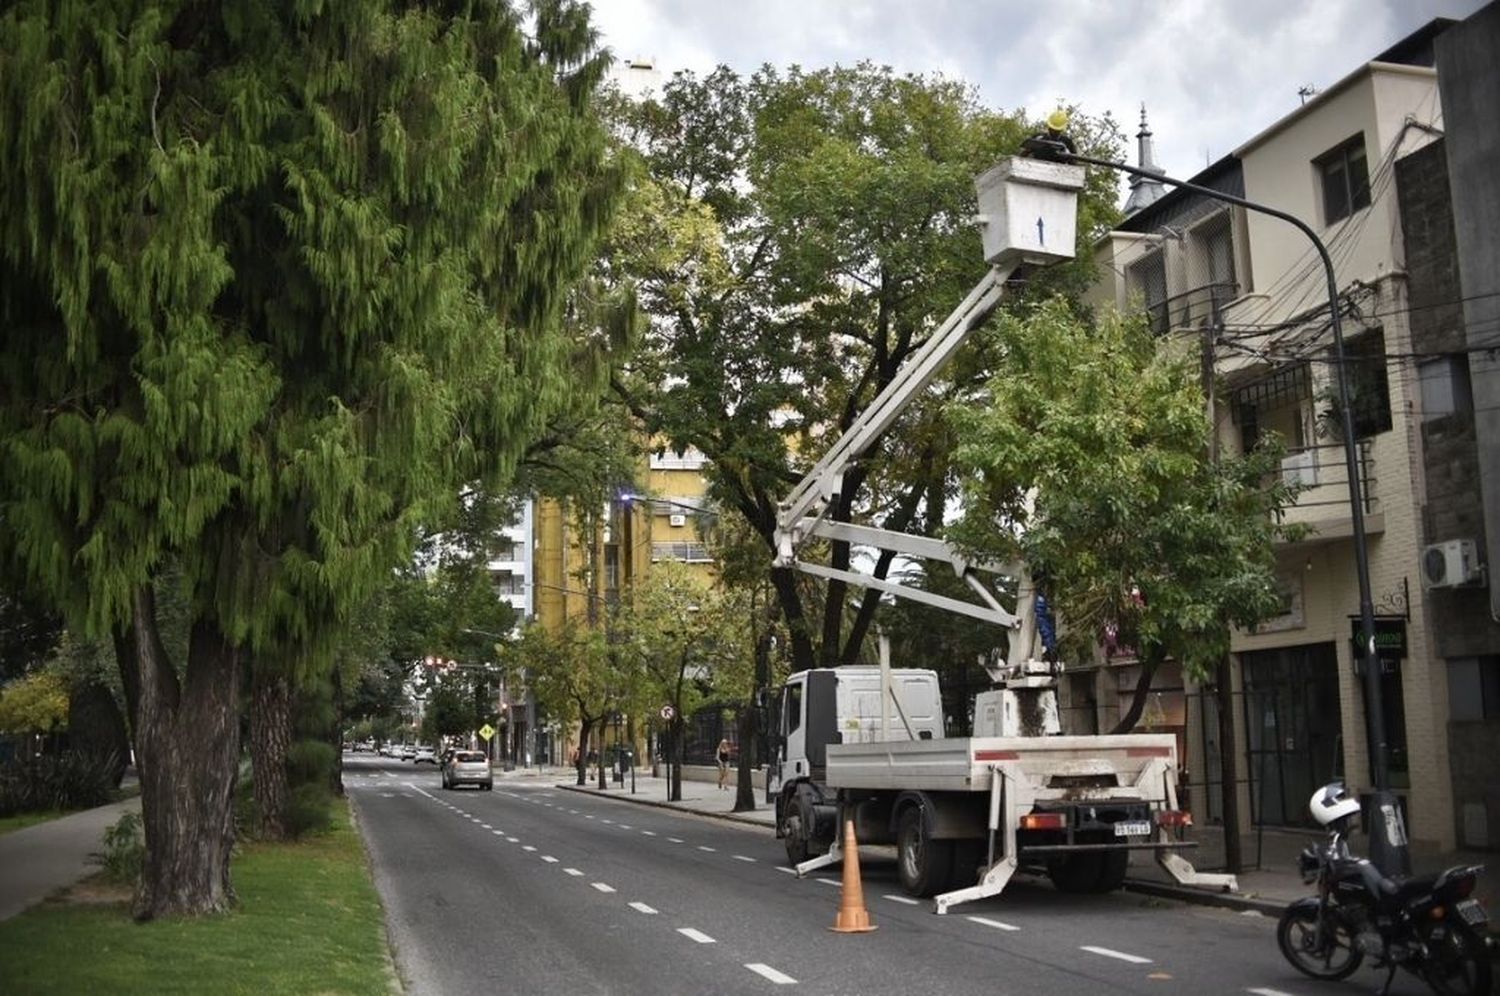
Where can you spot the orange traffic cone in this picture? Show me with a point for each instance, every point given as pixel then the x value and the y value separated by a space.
pixel 853 918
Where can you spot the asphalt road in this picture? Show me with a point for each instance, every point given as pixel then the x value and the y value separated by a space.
pixel 535 889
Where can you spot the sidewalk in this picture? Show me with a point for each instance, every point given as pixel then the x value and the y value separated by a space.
pixel 41 859
pixel 1267 889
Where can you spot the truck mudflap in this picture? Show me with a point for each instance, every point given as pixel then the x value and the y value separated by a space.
pixel 1011 796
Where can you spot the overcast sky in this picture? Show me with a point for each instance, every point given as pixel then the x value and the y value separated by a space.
pixel 1211 73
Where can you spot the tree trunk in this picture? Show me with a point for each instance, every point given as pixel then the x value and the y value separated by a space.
pixel 674 791
pixel 336 735
pixel 784 580
pixel 1138 700
pixel 744 799
pixel 1228 770
pixel 270 736
pixel 187 752
pixel 582 760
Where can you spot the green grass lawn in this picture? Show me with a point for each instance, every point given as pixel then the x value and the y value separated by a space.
pixel 20 821
pixel 308 922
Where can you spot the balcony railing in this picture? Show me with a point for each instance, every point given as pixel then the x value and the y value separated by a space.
pixel 1323 475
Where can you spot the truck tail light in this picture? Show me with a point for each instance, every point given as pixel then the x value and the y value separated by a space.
pixel 1174 818
pixel 1043 821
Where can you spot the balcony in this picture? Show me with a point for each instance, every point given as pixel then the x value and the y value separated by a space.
pixel 1323 502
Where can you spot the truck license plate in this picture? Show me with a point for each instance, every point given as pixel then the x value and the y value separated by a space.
pixel 1472 913
pixel 1137 829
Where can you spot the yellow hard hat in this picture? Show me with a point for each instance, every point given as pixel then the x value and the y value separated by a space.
pixel 1058 120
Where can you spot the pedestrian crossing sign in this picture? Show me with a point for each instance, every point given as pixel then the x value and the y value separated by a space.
pixel 486 731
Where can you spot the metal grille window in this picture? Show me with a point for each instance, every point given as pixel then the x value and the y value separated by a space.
pixel 692 553
pixel 1281 388
pixel 1346 180
pixel 1369 391
pixel 1148 278
pixel 508 583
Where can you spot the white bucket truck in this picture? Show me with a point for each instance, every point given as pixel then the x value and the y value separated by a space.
pixel 867 744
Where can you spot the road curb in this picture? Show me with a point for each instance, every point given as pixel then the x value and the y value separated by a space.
pixel 1202 897
pixel 739 818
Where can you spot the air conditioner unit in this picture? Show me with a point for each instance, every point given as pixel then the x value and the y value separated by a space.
pixel 1300 468
pixel 1450 563
pixel 677 519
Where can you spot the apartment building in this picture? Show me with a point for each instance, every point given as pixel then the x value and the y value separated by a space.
pixel 1365 164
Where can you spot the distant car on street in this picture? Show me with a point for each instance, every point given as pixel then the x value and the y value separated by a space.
pixel 469 767
pixel 425 755
pixel 409 752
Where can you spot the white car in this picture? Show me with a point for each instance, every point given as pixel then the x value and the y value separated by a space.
pixel 409 752
pixel 469 767
pixel 425 754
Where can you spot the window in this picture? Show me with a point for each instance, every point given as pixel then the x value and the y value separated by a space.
pixel 689 459
pixel 1214 240
pixel 1473 689
pixel 1369 394
pixel 692 553
pixel 1346 180
pixel 793 707
pixel 508 583
pixel 1445 386
pixel 1148 278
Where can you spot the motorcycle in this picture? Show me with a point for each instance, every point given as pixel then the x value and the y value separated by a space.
pixel 1427 924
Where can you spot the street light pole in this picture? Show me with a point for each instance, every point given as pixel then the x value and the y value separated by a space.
pixel 1387 831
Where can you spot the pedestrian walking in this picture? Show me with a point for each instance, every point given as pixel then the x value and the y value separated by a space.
pixel 723 763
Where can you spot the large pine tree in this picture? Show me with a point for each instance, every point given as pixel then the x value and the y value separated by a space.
pixel 274 277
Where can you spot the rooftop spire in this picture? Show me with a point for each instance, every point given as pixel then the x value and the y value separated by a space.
pixel 1144 191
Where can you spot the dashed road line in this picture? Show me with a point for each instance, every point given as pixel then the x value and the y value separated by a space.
pixel 603 886
pixel 695 935
pixel 486 826
pixel 904 900
pixel 1001 925
pixel 527 847
pixel 513 840
pixel 742 857
pixel 675 840
pixel 830 881
pixel 766 971
pixel 784 868
pixel 549 859
pixel 624 826
pixel 1111 953
pixel 705 847
pixel 642 908
pixel 573 871
pixel 498 833
pixel 1267 992
pixel 648 833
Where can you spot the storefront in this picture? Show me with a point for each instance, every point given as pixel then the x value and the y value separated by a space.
pixel 1292 729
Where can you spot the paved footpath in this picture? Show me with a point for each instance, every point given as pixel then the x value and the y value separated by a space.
pixel 39 860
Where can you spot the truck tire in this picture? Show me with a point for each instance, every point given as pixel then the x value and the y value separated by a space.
pixel 798 825
pixel 1076 873
pixel 924 865
pixel 1112 868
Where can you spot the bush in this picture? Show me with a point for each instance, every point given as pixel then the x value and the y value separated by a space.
pixel 309 810
pixel 124 849
pixel 62 781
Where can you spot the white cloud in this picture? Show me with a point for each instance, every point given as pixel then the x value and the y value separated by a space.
pixel 1212 73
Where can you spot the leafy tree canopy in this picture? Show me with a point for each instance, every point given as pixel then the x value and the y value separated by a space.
pixel 1089 457
pixel 37 703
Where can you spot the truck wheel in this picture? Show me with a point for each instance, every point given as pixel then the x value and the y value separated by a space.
pixel 1077 872
pixel 924 865
pixel 796 828
pixel 1112 868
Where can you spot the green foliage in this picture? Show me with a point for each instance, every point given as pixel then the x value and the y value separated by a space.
pixel 37 703
pixel 1090 459
pixel 124 849
pixel 798 237
pixel 56 781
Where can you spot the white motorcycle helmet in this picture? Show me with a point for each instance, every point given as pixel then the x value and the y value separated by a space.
pixel 1332 803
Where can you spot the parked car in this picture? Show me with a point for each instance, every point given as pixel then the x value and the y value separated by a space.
pixel 469 767
pixel 386 750
pixel 408 752
pixel 425 755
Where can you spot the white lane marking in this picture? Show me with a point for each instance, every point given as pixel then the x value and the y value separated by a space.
pixel 573 871
pixel 1000 925
pixel 473 819
pixel 388 795
pixel 1267 992
pixel 606 821
pixel 705 847
pixel 603 886
pixel 784 868
pixel 780 978
pixel 642 908
pixel 904 900
pixel 513 840
pixel 527 847
pixel 498 833
pixel 675 840
pixel 573 811
pixel 830 881
pixel 649 833
pixel 741 857
pixel 406 795
pixel 695 935
pixel 486 826
pixel 391 774
pixel 624 826
pixel 1109 953
pixel 588 816
pixel 549 859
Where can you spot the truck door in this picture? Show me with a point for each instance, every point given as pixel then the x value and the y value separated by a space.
pixel 793 729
